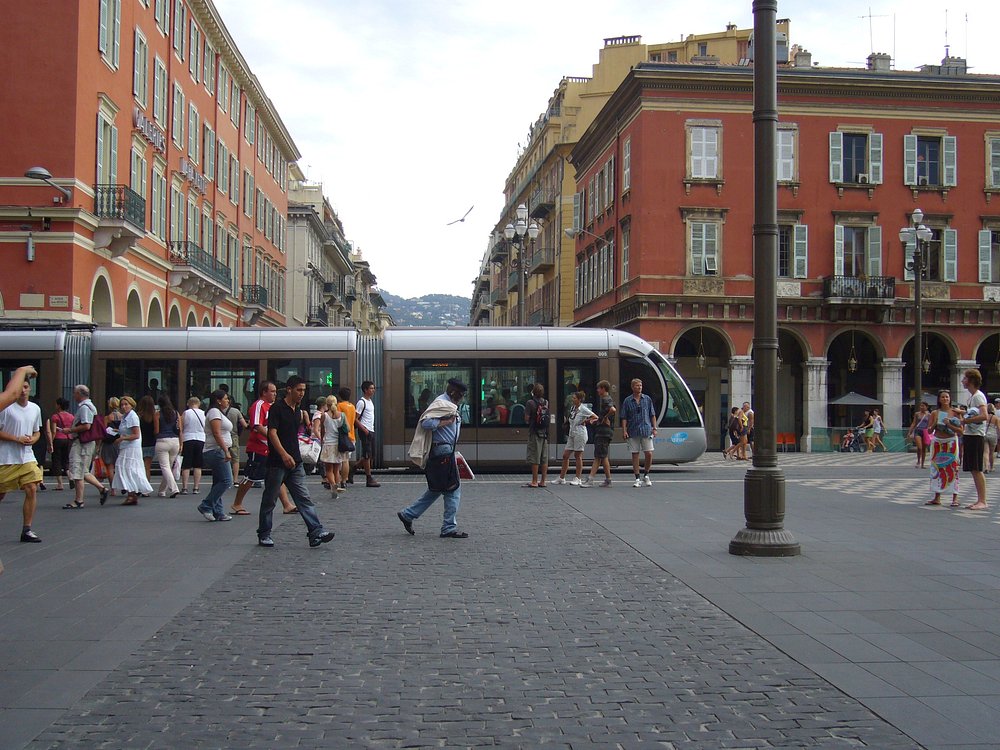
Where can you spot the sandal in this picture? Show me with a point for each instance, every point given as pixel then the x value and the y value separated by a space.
pixel 955 505
pixel 454 535
pixel 290 512
pixel 529 485
pixel 239 511
pixel 73 505
pixel 933 502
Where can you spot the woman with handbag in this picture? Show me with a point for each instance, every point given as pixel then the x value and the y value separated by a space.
pixel 108 452
pixel 59 442
pixel 218 440
pixel 946 429
pixel 918 431
pixel 131 475
pixel 330 454
pixel 168 445
pixel 346 407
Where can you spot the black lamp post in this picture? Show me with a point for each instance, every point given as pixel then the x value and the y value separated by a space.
pixel 519 230
pixel 914 235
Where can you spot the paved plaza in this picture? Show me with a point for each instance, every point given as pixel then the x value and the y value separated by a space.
pixel 570 618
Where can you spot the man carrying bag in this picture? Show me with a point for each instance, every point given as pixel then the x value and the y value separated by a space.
pixel 433 449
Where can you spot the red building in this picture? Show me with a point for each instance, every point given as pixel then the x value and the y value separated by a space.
pixel 665 205
pixel 170 161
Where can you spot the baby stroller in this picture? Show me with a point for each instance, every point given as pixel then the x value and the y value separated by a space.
pixel 852 442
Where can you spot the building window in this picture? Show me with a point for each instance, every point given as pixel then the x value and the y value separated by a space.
pixel 672 56
pixel 161 12
pixel 703 48
pixel 784 251
pixel 626 249
pixel 787 149
pixel 140 70
pixel 940 255
pixel 930 160
pixel 856 158
pixel 194 132
pixel 137 174
pixel 208 234
pixel 793 251
pixel 160 93
pixel 107 151
pixel 704 149
pixel 222 174
pixel 194 53
pixel 993 162
pixel 703 247
pixel 158 218
pixel 234 180
pixel 177 204
pixel 178 36
pixel 247 193
pixel 109 31
pixel 193 223
pixel 224 82
pixel 209 153
pixel 234 105
pixel 249 124
pixel 208 70
pixel 857 250
pixel 177 129
pixel 989 256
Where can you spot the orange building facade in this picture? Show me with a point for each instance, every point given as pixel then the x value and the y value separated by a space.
pixel 664 206
pixel 168 199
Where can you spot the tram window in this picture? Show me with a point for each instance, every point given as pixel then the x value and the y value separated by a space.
pixel 681 408
pixel 504 391
pixel 8 368
pixel 239 375
pixel 426 380
pixel 322 376
pixel 141 377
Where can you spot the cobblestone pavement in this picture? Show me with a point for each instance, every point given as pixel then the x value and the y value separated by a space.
pixel 542 628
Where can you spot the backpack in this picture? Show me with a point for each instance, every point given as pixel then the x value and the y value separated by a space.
pixel 541 423
pixel 95 432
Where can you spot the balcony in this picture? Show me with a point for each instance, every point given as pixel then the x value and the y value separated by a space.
pixel 498 253
pixel 349 293
pixel 542 260
pixel 512 280
pixel 848 289
pixel 541 317
pixel 319 317
pixel 542 203
pixel 121 214
pixel 253 297
pixel 498 296
pixel 198 274
pixel 331 292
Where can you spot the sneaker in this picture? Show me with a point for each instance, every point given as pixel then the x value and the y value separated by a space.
pixel 576 481
pixel 224 518
pixel 637 482
pixel 265 541
pixel 372 483
pixel 206 514
pixel 30 536
pixel 587 483
pixel 646 481
pixel 606 483
pixel 326 536
pixel 560 480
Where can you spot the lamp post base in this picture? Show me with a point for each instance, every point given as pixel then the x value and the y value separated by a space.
pixel 764 509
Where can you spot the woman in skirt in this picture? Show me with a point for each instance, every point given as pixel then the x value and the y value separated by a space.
pixel 946 428
pixel 130 476
pixel 330 454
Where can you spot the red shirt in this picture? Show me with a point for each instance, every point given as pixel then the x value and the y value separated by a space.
pixel 257 443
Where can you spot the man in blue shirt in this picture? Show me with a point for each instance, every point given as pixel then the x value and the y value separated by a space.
pixel 639 428
pixel 443 423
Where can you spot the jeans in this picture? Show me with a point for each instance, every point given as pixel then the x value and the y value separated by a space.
pixel 166 451
pixel 222 479
pixel 451 503
pixel 295 481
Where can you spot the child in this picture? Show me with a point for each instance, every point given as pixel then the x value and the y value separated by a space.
pixel 845 444
pixel 579 415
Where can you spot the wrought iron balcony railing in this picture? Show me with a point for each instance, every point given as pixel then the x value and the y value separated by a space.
pixel 186 253
pixel 859 287
pixel 318 316
pixel 253 294
pixel 542 202
pixel 120 202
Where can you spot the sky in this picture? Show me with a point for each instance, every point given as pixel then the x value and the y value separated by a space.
pixel 411 112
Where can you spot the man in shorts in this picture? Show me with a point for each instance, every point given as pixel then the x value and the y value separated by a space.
pixel 20 428
pixel 364 426
pixel 604 431
pixel 81 455
pixel 536 411
pixel 639 429
pixel 257 450
pixel 975 435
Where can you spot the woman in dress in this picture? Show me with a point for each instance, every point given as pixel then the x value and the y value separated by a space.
pixel 735 429
pixel 946 429
pixel 218 440
pixel 168 445
pixel 193 437
pixel 59 442
pixel 131 474
pixel 576 440
pixel 918 431
pixel 330 454
pixel 878 428
pixel 109 445
pixel 867 428
pixel 146 410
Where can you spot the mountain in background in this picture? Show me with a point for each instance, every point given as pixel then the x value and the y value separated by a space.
pixel 429 310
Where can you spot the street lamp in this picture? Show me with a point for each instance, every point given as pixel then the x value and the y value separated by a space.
pixel 41 173
pixel 915 234
pixel 519 230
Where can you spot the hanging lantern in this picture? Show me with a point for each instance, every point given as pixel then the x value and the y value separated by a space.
pixel 852 358
pixel 702 359
pixel 927 361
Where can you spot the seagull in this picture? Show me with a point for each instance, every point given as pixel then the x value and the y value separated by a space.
pixel 458 221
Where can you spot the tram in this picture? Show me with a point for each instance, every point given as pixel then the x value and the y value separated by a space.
pixel 409 366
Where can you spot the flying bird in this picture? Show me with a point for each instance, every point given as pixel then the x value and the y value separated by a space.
pixel 458 221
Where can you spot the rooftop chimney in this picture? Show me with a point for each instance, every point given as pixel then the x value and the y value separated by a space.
pixel 879 61
pixel 803 58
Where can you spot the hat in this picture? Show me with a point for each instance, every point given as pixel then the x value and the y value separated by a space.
pixel 458 385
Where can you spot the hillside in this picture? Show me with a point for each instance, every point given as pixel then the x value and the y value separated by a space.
pixel 429 310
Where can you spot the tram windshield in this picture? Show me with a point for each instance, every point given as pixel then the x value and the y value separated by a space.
pixel 678 408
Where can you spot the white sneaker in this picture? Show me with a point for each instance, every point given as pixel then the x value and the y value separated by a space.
pixel 586 484
pixel 637 482
pixel 560 480
pixel 575 481
pixel 646 481
pixel 606 483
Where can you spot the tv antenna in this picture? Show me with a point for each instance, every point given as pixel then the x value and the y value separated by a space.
pixel 871 30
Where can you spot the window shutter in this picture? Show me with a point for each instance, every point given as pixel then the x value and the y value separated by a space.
pixel 116 33
pixel 611 180
pixel 951 255
pixel 995 162
pixel 102 27
pixel 627 164
pixel 576 211
pixel 697 248
pixel 985 268
pixel 836 157
pixel 838 250
pixel 786 156
pixel 800 263
pixel 909 160
pixel 874 251
pixel 908 256
pixel 949 146
pixel 875 158
pixel 712 247
pixel 100 151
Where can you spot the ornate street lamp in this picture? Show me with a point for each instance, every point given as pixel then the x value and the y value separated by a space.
pixel 852 357
pixel 914 235
pixel 702 359
pixel 518 230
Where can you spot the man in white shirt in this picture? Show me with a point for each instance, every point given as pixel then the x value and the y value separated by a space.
pixel 81 455
pixel 364 427
pixel 975 435
pixel 20 428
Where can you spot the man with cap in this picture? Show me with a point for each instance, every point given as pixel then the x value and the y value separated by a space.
pixel 433 449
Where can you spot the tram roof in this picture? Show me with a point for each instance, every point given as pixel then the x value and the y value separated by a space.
pixel 224 339
pixel 32 341
pixel 513 339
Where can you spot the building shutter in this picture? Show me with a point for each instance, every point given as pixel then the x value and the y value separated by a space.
pixel 909 160
pixel 995 162
pixel 611 181
pixel 985 267
pixel 102 27
pixel 800 260
pixel 908 256
pixel 949 146
pixel 116 34
pixel 100 151
pixel 838 250
pixel 950 254
pixel 836 157
pixel 874 251
pixel 577 205
pixel 875 158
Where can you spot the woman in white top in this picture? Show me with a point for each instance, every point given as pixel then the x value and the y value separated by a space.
pixel 192 443
pixel 579 415
pixel 218 440
pixel 330 453
pixel 130 474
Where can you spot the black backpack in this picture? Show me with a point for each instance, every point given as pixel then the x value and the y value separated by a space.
pixel 541 423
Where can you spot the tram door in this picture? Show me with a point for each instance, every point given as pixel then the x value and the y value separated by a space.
pixel 573 375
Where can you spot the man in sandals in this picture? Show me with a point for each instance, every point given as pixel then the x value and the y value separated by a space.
pixel 975 435
pixel 20 428
pixel 13 391
pixel 433 448
pixel 257 451
pixel 81 455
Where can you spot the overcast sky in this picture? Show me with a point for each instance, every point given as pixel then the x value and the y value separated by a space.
pixel 411 112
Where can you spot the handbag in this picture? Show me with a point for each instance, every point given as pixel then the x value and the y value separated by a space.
pixel 309 451
pixel 344 442
pixel 441 473
pixel 464 470
pixel 100 468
